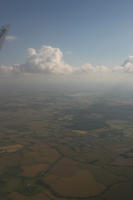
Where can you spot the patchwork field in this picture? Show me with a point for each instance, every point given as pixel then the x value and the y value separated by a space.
pixel 65 146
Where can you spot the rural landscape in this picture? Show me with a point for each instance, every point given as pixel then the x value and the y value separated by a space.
pixel 65 146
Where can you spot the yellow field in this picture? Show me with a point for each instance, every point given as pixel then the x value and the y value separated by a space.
pixel 80 132
pixel 10 148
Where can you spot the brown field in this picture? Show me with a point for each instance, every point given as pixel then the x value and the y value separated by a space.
pixel 98 131
pixel 49 154
pixel 66 167
pixel 33 170
pixel 130 154
pixel 9 161
pixel 51 178
pixel 51 197
pixel 17 196
pixel 46 155
pixel 123 162
pixel 66 150
pixel 68 179
pixel 120 191
pixel 80 184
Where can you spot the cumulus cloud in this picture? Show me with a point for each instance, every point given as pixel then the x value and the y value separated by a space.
pixel 46 60
pixel 128 64
pixel 49 60
pixel 11 37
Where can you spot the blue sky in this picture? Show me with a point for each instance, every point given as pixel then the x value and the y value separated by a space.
pixel 87 31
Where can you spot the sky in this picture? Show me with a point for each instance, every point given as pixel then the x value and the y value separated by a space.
pixel 98 32
pixel 70 33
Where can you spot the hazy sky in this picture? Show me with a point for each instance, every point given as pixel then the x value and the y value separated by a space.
pixel 99 32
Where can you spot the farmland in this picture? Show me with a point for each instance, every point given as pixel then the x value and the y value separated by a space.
pixel 65 146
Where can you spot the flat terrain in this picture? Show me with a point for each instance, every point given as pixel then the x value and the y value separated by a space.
pixel 66 146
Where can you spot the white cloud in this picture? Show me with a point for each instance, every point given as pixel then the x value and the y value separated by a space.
pixel 88 68
pixel 11 37
pixel 46 60
pixel 49 60
pixel 126 67
pixel 5 69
